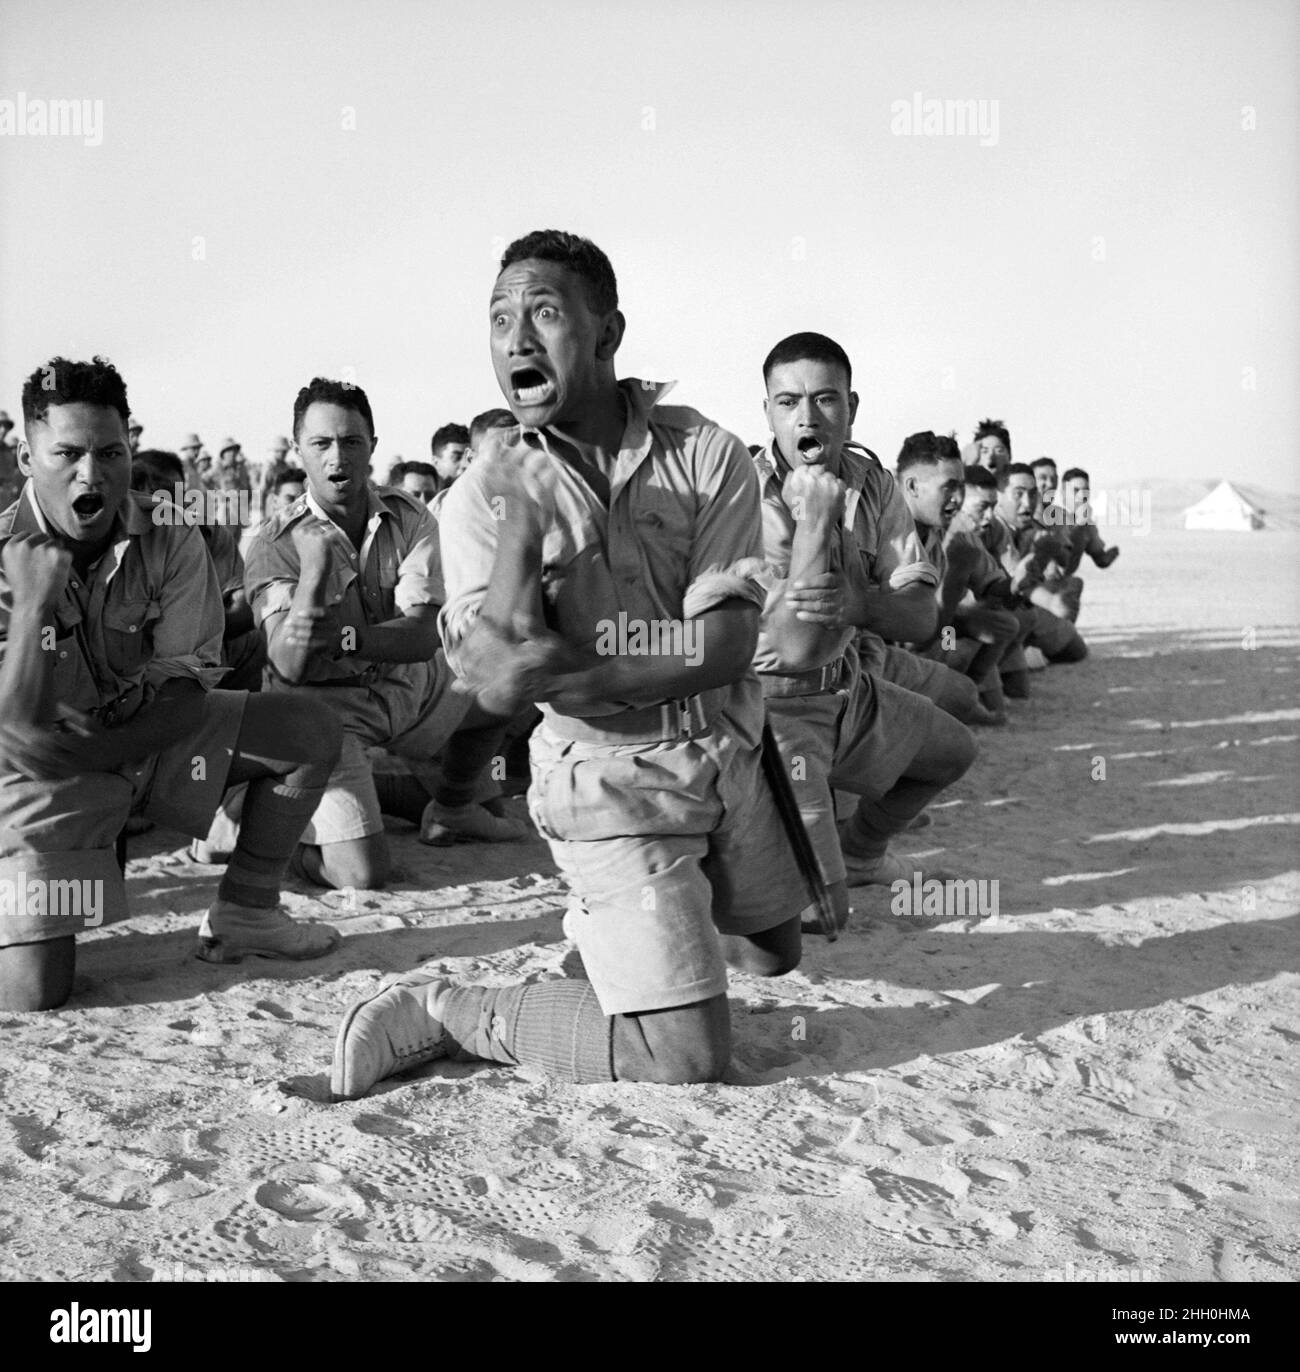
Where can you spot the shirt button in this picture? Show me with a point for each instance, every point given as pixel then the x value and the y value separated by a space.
pixel 131 628
pixel 63 654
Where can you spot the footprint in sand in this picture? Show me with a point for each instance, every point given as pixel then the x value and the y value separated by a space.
pixel 302 1143
pixel 994 1174
pixel 314 1191
pixel 741 1257
pixel 383 1126
pixel 32 1134
pixel 770 1162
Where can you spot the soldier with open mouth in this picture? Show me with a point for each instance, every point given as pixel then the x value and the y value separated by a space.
pixel 110 629
pixel 646 777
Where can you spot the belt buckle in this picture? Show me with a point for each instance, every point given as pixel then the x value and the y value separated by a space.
pixel 688 719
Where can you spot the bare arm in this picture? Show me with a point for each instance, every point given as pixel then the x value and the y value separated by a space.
pixel 909 615
pixel 804 638
pixel 36 570
pixel 293 639
pixel 412 637
pixel 718 647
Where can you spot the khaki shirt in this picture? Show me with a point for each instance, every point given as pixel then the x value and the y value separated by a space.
pixel 392 574
pixel 1009 544
pixel 986 572
pixel 680 536
pixel 149 611
pixel 878 542
pixel 223 548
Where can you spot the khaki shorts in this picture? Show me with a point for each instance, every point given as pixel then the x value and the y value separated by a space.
pixel 665 846
pixel 65 831
pixel 860 739
pixel 414 727
pixel 931 677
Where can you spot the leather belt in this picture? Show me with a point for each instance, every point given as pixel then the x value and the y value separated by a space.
pixel 811 683
pixel 667 722
pixel 360 679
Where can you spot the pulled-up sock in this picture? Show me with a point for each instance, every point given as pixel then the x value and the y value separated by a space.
pixel 555 1025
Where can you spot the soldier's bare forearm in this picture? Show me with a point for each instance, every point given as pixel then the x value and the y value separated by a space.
pixel 408 638
pixel 513 601
pixel 802 643
pixel 716 649
pixel 289 653
pixel 910 615
pixel 27 671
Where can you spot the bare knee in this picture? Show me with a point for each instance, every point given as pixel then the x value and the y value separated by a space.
pixel 772 953
pixel 37 976
pixel 363 864
pixel 677 1047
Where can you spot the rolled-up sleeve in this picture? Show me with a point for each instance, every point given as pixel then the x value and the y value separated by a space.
pixel 900 559
pixel 728 546
pixel 270 576
pixel 419 575
pixel 187 633
pixel 467 535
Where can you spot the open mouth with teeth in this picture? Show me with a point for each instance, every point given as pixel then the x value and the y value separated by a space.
pixel 530 386
pixel 88 506
pixel 811 448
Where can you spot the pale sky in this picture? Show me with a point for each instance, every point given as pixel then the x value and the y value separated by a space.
pixel 1105 275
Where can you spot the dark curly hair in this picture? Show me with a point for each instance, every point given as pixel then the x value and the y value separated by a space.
pixel 808 347
pixel 993 428
pixel 448 433
pixel 925 450
pixel 580 255
pixel 340 393
pixel 60 382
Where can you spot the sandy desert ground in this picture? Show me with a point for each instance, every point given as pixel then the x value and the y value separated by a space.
pixel 1098 1082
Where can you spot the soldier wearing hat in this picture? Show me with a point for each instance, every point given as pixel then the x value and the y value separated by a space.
pixel 231 472
pixel 133 431
pixel 189 449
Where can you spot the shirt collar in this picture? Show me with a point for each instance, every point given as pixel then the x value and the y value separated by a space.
pixel 375 508
pixel 641 397
pixel 134 516
pixel 854 461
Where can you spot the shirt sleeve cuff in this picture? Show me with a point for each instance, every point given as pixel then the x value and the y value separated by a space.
pixel 190 667
pixel 712 587
pixel 914 574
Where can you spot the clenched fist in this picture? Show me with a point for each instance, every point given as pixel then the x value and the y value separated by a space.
pixel 519 482
pixel 36 568
pixel 813 493
pixel 312 540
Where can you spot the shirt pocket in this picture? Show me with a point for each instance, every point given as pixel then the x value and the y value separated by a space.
pixel 128 634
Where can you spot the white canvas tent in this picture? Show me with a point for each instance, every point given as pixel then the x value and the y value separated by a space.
pixel 1224 508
